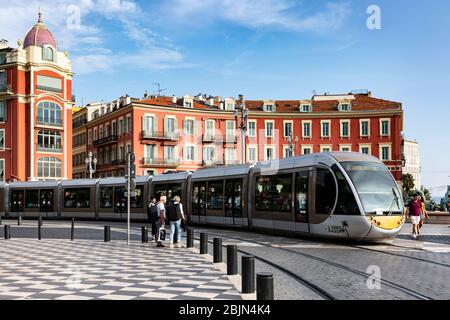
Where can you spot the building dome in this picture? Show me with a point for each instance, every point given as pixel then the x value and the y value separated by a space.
pixel 39 36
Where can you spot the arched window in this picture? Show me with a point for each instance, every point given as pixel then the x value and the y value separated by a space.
pixel 49 141
pixel 49 113
pixel 48 54
pixel 49 167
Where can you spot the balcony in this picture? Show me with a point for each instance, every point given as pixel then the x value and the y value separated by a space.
pixel 160 135
pixel 231 139
pixel 49 149
pixel 5 89
pixel 160 162
pixel 106 141
pixel 49 123
pixel 212 163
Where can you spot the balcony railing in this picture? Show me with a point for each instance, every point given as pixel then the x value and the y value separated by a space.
pixel 49 149
pixel 48 122
pixel 5 88
pixel 160 135
pixel 230 139
pixel 105 141
pixel 219 139
pixel 161 162
pixel 212 163
pixel 209 138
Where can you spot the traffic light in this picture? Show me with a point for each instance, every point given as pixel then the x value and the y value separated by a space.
pixel 131 158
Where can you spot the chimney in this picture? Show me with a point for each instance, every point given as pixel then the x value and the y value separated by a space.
pixel 211 101
pixel 174 99
pixel 222 105
pixel 145 94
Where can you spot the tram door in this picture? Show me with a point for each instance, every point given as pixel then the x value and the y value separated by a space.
pixel 301 201
pixel 46 201
pixel 120 201
pixel 17 201
pixel 233 193
pixel 199 200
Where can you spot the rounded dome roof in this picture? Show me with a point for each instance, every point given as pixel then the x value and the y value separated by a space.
pixel 39 36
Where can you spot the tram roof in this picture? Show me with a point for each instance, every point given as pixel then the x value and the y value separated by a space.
pixel 171 177
pixel 79 183
pixel 34 184
pixel 221 171
pixel 123 180
pixel 353 156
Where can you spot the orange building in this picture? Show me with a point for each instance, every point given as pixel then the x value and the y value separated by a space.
pixel 35 109
pixel 170 134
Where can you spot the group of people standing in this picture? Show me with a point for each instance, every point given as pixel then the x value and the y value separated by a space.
pixel 417 214
pixel 159 212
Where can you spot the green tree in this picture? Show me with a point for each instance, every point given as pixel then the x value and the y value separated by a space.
pixel 407 183
pixel 427 194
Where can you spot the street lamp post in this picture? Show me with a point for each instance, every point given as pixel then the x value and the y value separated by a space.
pixel 91 163
pixel 291 141
pixel 241 113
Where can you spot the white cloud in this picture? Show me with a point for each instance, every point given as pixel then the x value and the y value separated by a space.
pixel 284 14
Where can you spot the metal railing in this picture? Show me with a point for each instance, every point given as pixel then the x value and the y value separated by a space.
pixel 5 88
pixel 161 135
pixel 161 162
pixel 49 122
pixel 49 149
pixel 106 140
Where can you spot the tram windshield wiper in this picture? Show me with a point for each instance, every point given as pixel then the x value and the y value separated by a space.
pixel 394 201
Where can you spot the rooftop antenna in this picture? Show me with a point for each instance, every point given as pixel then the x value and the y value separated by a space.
pixel 159 89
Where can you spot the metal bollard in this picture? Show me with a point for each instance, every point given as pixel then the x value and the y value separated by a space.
pixel 19 220
pixel 144 234
pixel 0 220
pixel 203 243
pixel 107 233
pixel 248 274
pixel 232 260
pixel 7 232
pixel 190 238
pixel 264 286
pixel 41 221
pixel 39 229
pixel 72 230
pixel 217 250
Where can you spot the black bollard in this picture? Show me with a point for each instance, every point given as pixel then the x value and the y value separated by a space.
pixel 72 230
pixel 39 229
pixel 232 260
pixel 264 286
pixel 107 233
pixel 190 238
pixel 19 220
pixel 144 234
pixel 0 220
pixel 217 250
pixel 248 274
pixel 203 243
pixel 41 221
pixel 7 232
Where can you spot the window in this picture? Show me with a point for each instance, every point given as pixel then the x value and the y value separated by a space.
pixel 138 201
pixel 48 53
pixel 269 129
pixel 287 129
pixel 49 167
pixel 306 108
pixel 346 203
pixel 215 195
pixel 2 139
pixel 49 141
pixel 209 128
pixel 3 110
pixel 325 191
pixel 189 127
pixel 231 131
pixel 345 129
pixel 274 193
pixel 364 128
pixel 385 153
pixel 2 169
pixel 269 108
pixel 50 84
pixel 385 130
pixel 77 198
pixel 89 137
pixel 364 149
pixel 114 128
pixel 129 125
pixel 252 154
pixel 170 125
pixel 2 58
pixel 345 107
pixel 169 152
pixel 106 197
pixel 301 197
pixel 169 190
pixel 189 153
pixel 346 148
pixel 49 114
pixel 231 155
pixel 325 129
pixel 209 154
pixel 306 129
pixel 229 106
pixel 31 199
pixel 325 148
pixel 306 150
pixel 270 153
pixel 252 128
pixel 287 152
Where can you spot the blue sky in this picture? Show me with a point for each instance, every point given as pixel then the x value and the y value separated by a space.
pixel 281 49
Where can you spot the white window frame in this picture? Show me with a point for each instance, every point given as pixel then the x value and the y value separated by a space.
pixel 341 122
pixel 365 145
pixel 309 136
pixel 307 146
pixel 326 146
pixel 256 128
pixel 342 146
pixel 230 133
pixel 227 159
pixel 385 145
pixel 210 146
pixel 266 122
pixel 273 148
pixel 194 152
pixel 285 148
pixel 213 131
pixel 321 128
pixel 252 146
pixel 345 103
pixel 291 122
pixel 303 105
pixel 2 168
pixel 186 119
pixel 361 128
pixel 3 133
pixel 388 120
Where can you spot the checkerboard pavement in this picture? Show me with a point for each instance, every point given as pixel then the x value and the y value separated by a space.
pixel 86 270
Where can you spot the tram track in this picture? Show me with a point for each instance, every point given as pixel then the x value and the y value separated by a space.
pixel 388 283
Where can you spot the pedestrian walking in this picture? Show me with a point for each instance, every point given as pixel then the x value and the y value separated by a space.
pixel 423 215
pixel 175 214
pixel 152 214
pixel 413 211
pixel 160 222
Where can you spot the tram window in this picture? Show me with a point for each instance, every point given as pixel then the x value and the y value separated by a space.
pixel 215 195
pixel 77 198
pixel 195 193
pixel 168 190
pixel 138 201
pixel 301 197
pixel 346 204
pixel 325 191
pixel 274 193
pixel 119 196
pixel 17 200
pixel 32 199
pixel 106 197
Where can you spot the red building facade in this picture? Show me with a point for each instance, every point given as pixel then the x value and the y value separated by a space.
pixel 170 134
pixel 35 109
